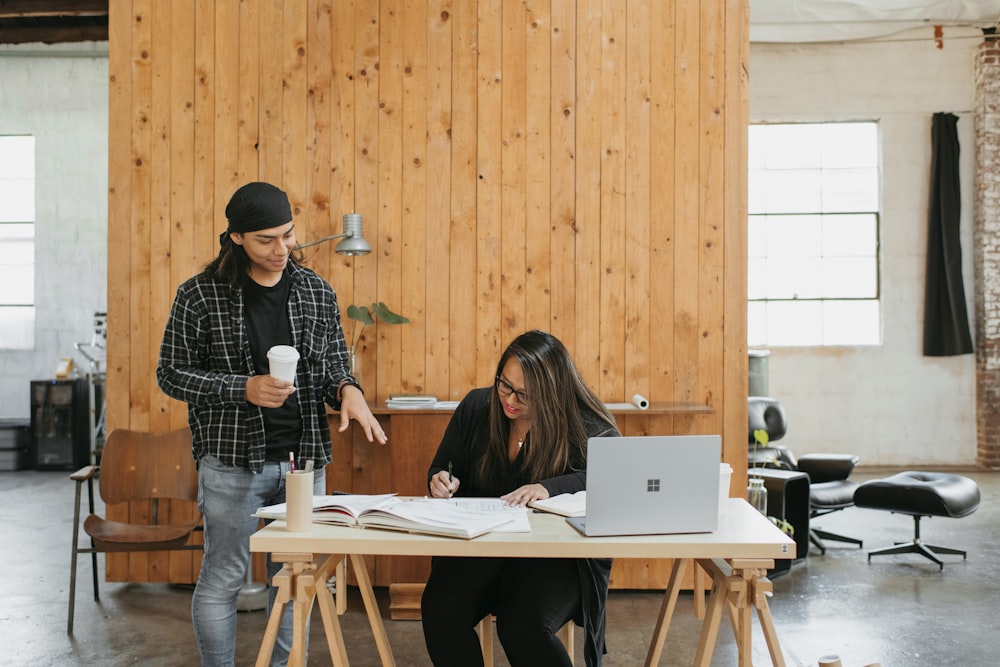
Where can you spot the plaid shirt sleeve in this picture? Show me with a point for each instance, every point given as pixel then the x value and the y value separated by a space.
pixel 204 361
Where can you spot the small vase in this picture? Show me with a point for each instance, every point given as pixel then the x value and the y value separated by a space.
pixel 757 494
pixel 353 363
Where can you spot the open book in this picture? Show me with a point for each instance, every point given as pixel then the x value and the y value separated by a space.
pixel 565 504
pixel 343 509
pixel 433 516
pixel 518 515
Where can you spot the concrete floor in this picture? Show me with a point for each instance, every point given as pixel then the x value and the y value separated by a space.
pixel 899 611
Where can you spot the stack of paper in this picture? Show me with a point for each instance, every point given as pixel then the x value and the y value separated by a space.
pixel 410 401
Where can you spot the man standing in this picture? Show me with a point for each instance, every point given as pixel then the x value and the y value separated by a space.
pixel 246 423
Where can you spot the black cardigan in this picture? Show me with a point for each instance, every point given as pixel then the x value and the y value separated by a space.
pixel 463 446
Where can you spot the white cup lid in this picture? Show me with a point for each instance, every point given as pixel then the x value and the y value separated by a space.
pixel 283 353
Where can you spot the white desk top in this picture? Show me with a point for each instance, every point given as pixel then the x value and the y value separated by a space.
pixel 742 533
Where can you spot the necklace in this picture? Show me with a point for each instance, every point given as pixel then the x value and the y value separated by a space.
pixel 520 439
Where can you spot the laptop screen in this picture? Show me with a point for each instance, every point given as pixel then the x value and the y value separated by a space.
pixel 650 485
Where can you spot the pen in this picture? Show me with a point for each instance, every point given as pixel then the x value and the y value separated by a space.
pixel 291 461
pixel 309 465
pixel 450 478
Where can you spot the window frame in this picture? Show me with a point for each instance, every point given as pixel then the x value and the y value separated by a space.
pixel 763 306
pixel 18 298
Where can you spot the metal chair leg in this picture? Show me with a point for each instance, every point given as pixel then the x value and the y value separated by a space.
pixel 817 541
pixel 928 551
pixel 72 567
pixel 826 535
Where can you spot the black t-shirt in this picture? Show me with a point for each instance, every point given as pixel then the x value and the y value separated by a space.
pixel 267 325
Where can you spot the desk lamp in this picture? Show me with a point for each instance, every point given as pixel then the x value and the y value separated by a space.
pixel 352 242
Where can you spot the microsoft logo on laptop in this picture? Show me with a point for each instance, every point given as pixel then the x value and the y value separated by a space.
pixel 653 485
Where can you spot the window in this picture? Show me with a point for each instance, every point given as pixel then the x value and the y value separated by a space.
pixel 17 242
pixel 813 234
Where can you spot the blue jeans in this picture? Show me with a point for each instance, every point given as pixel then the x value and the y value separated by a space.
pixel 227 496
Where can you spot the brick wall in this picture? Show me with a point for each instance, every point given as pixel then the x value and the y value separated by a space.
pixel 986 218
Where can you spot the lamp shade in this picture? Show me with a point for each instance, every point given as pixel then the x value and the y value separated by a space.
pixel 353 245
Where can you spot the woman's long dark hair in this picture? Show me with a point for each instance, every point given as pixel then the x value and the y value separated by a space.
pixel 558 396
pixel 232 265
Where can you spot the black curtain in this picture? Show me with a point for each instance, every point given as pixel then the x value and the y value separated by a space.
pixel 946 321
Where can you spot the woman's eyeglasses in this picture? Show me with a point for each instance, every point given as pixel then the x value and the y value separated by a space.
pixel 505 389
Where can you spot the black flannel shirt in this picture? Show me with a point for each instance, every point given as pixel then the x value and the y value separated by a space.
pixel 205 361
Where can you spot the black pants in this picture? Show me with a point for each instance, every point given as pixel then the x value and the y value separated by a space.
pixel 531 597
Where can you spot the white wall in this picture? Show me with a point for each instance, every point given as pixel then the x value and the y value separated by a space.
pixel 888 404
pixel 59 95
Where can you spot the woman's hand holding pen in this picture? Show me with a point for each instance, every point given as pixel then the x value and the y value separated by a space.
pixel 444 484
pixel 523 495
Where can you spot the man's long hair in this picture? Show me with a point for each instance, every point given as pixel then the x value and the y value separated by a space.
pixel 232 265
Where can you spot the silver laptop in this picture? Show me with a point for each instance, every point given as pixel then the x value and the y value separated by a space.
pixel 651 485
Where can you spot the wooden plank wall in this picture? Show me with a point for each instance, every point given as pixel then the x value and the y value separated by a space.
pixel 572 165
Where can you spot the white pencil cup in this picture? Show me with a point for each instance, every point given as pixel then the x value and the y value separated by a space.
pixel 725 473
pixel 299 500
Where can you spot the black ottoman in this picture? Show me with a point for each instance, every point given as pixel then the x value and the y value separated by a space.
pixel 920 494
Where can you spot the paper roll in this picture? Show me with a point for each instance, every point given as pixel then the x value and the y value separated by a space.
pixel 298 499
pixel 640 401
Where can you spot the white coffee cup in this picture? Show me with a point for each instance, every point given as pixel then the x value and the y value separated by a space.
pixel 282 360
pixel 298 501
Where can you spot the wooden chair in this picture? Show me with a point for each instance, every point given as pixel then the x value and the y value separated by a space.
pixel 486 639
pixel 136 466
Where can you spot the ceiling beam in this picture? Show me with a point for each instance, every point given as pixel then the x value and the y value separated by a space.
pixel 29 34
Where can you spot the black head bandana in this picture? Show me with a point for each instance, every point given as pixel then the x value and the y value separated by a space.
pixel 257 206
